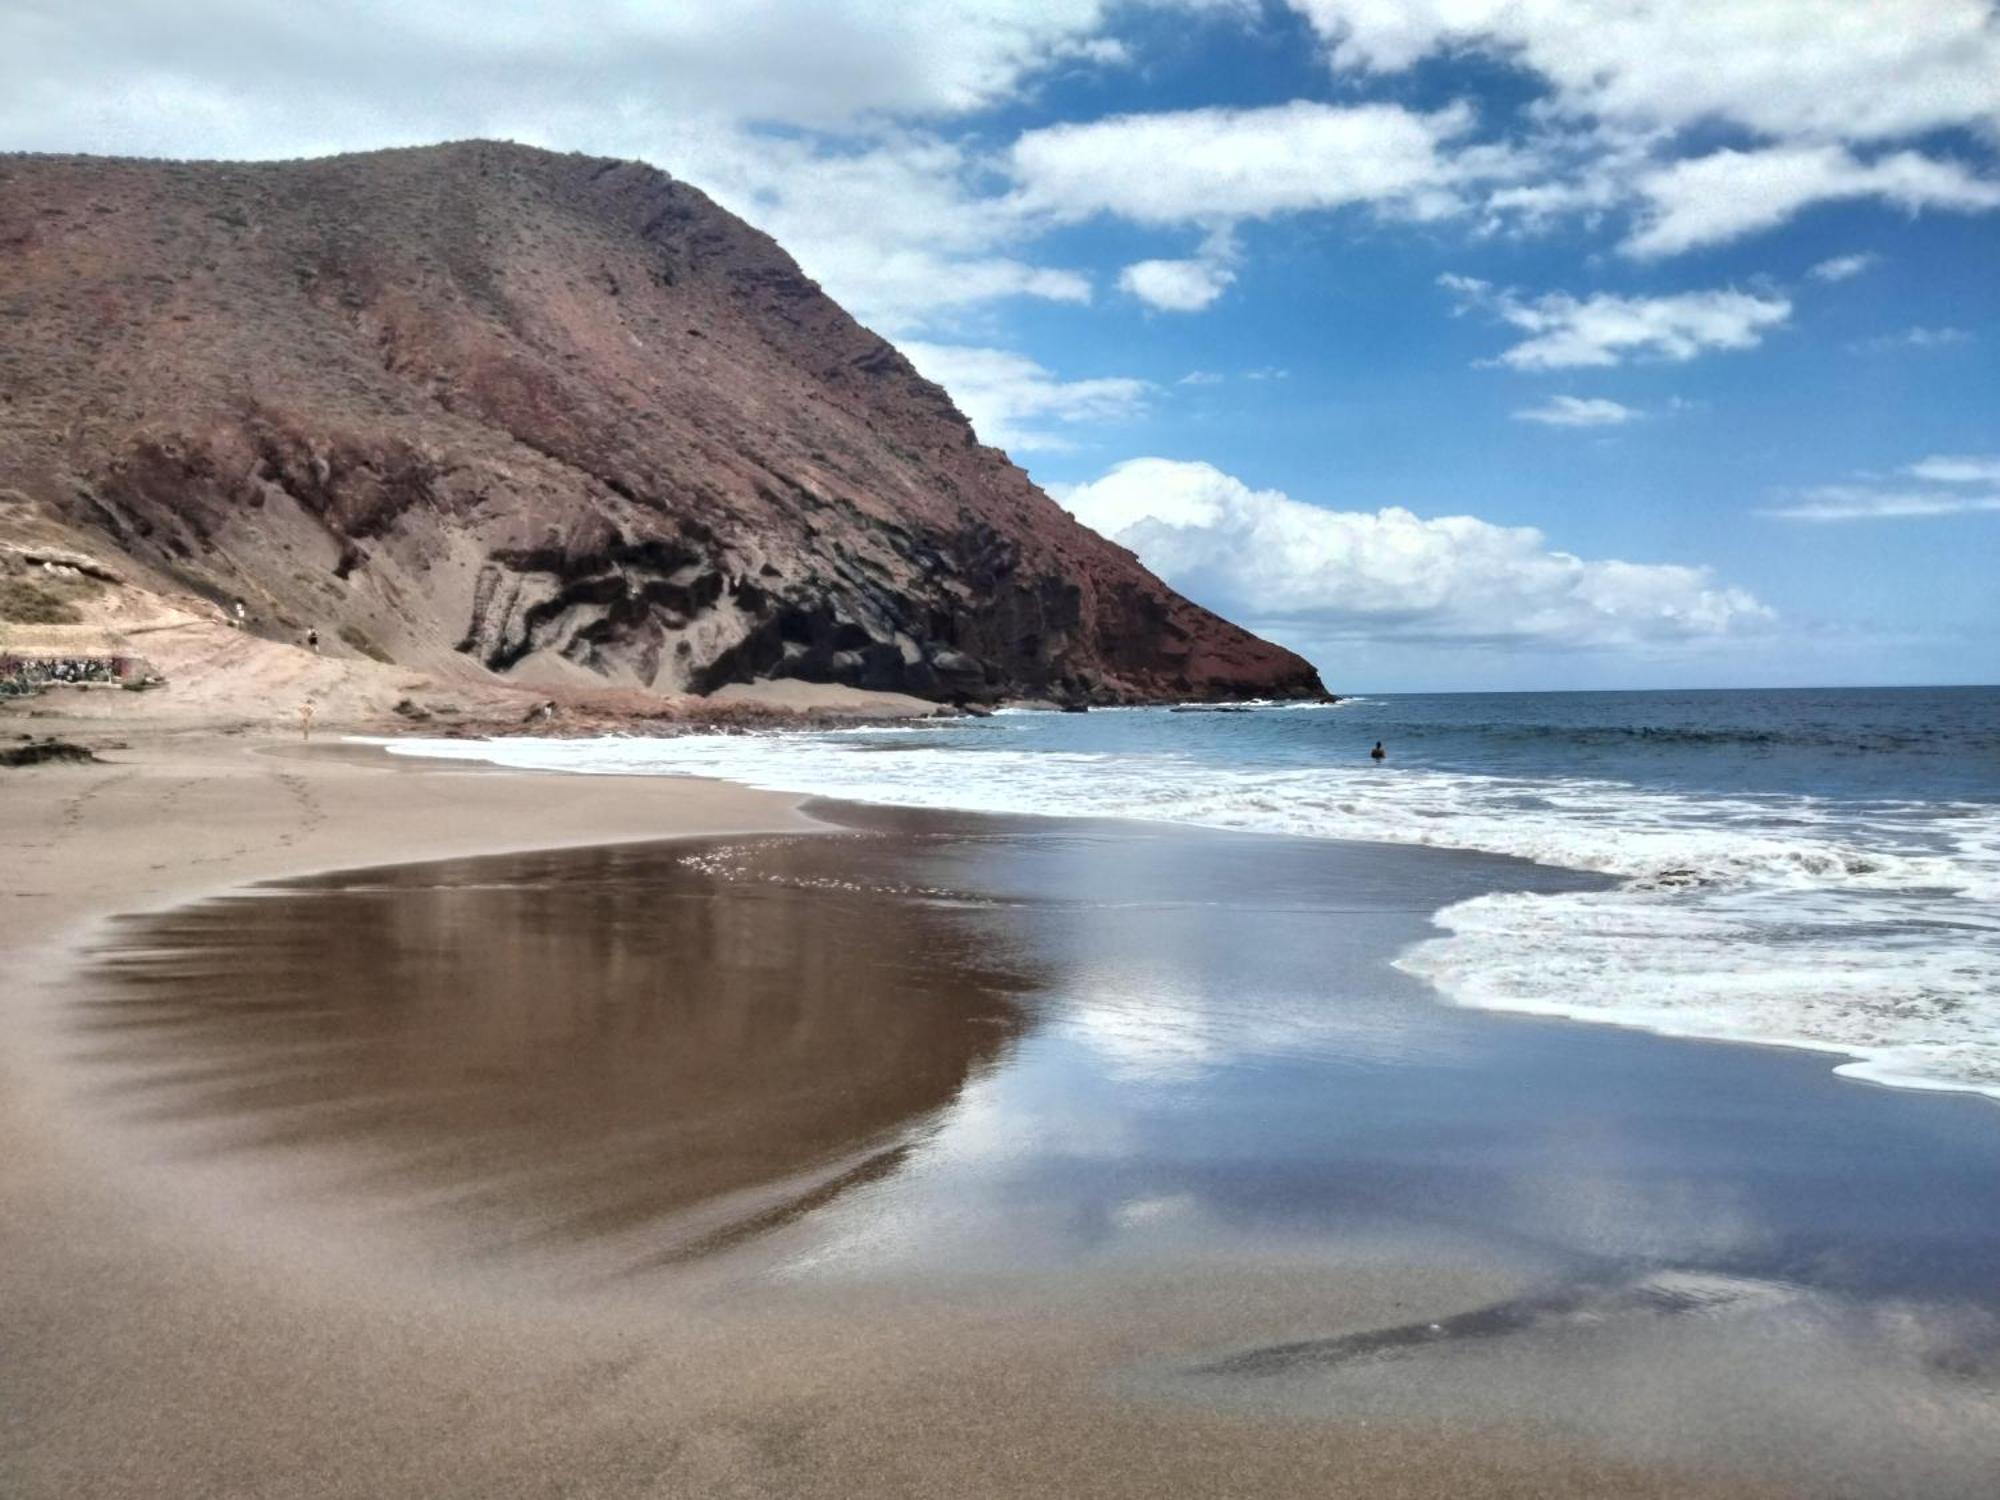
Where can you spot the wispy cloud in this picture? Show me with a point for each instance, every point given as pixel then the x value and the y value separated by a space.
pixel 1711 199
pixel 1841 502
pixel 1963 468
pixel 1216 377
pixel 1603 329
pixel 1579 411
pixel 1843 267
pixel 1917 337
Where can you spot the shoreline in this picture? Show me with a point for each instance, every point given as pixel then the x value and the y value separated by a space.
pixel 1851 1071
pixel 680 814
pixel 1873 1067
pixel 163 1350
pixel 292 832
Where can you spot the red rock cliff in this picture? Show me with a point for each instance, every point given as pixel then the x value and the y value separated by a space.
pixel 557 416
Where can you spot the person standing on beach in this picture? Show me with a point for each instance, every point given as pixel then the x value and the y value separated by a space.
pixel 306 720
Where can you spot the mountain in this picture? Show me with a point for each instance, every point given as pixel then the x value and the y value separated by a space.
pixel 483 408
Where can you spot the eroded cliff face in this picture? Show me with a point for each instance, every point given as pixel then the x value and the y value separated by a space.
pixel 481 407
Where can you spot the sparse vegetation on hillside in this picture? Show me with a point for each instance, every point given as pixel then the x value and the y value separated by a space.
pixel 27 601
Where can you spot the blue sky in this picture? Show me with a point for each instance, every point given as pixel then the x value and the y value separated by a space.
pixel 1456 343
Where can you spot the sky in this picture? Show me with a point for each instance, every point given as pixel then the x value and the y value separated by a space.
pixel 1457 344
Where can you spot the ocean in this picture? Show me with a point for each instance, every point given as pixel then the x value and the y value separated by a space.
pixel 1814 868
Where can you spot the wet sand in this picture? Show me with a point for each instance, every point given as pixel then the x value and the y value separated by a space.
pixel 928 1156
pixel 618 1051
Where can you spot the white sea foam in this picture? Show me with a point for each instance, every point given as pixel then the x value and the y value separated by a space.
pixel 1874 933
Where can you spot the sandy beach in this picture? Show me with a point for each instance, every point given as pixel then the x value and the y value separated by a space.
pixel 184 1316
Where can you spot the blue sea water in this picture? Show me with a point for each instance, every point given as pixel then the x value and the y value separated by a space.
pixel 1813 867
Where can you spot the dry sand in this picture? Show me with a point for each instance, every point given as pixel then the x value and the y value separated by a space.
pixel 153 1346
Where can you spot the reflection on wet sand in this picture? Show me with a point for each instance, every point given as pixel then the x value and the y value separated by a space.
pixel 570 1046
pixel 1097 1143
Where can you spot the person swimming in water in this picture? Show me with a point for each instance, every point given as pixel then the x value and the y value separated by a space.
pixel 1378 754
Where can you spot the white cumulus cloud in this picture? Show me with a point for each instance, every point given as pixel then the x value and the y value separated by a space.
pixel 1215 166
pixel 1810 68
pixel 1805 79
pixel 1176 285
pixel 1011 400
pixel 1320 575
pixel 1578 411
pixel 1567 332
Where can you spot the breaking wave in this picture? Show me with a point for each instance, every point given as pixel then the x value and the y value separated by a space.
pixel 1870 929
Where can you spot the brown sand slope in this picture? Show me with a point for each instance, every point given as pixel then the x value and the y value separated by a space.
pixel 480 409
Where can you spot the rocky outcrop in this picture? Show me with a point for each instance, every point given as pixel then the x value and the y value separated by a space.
pixel 494 410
